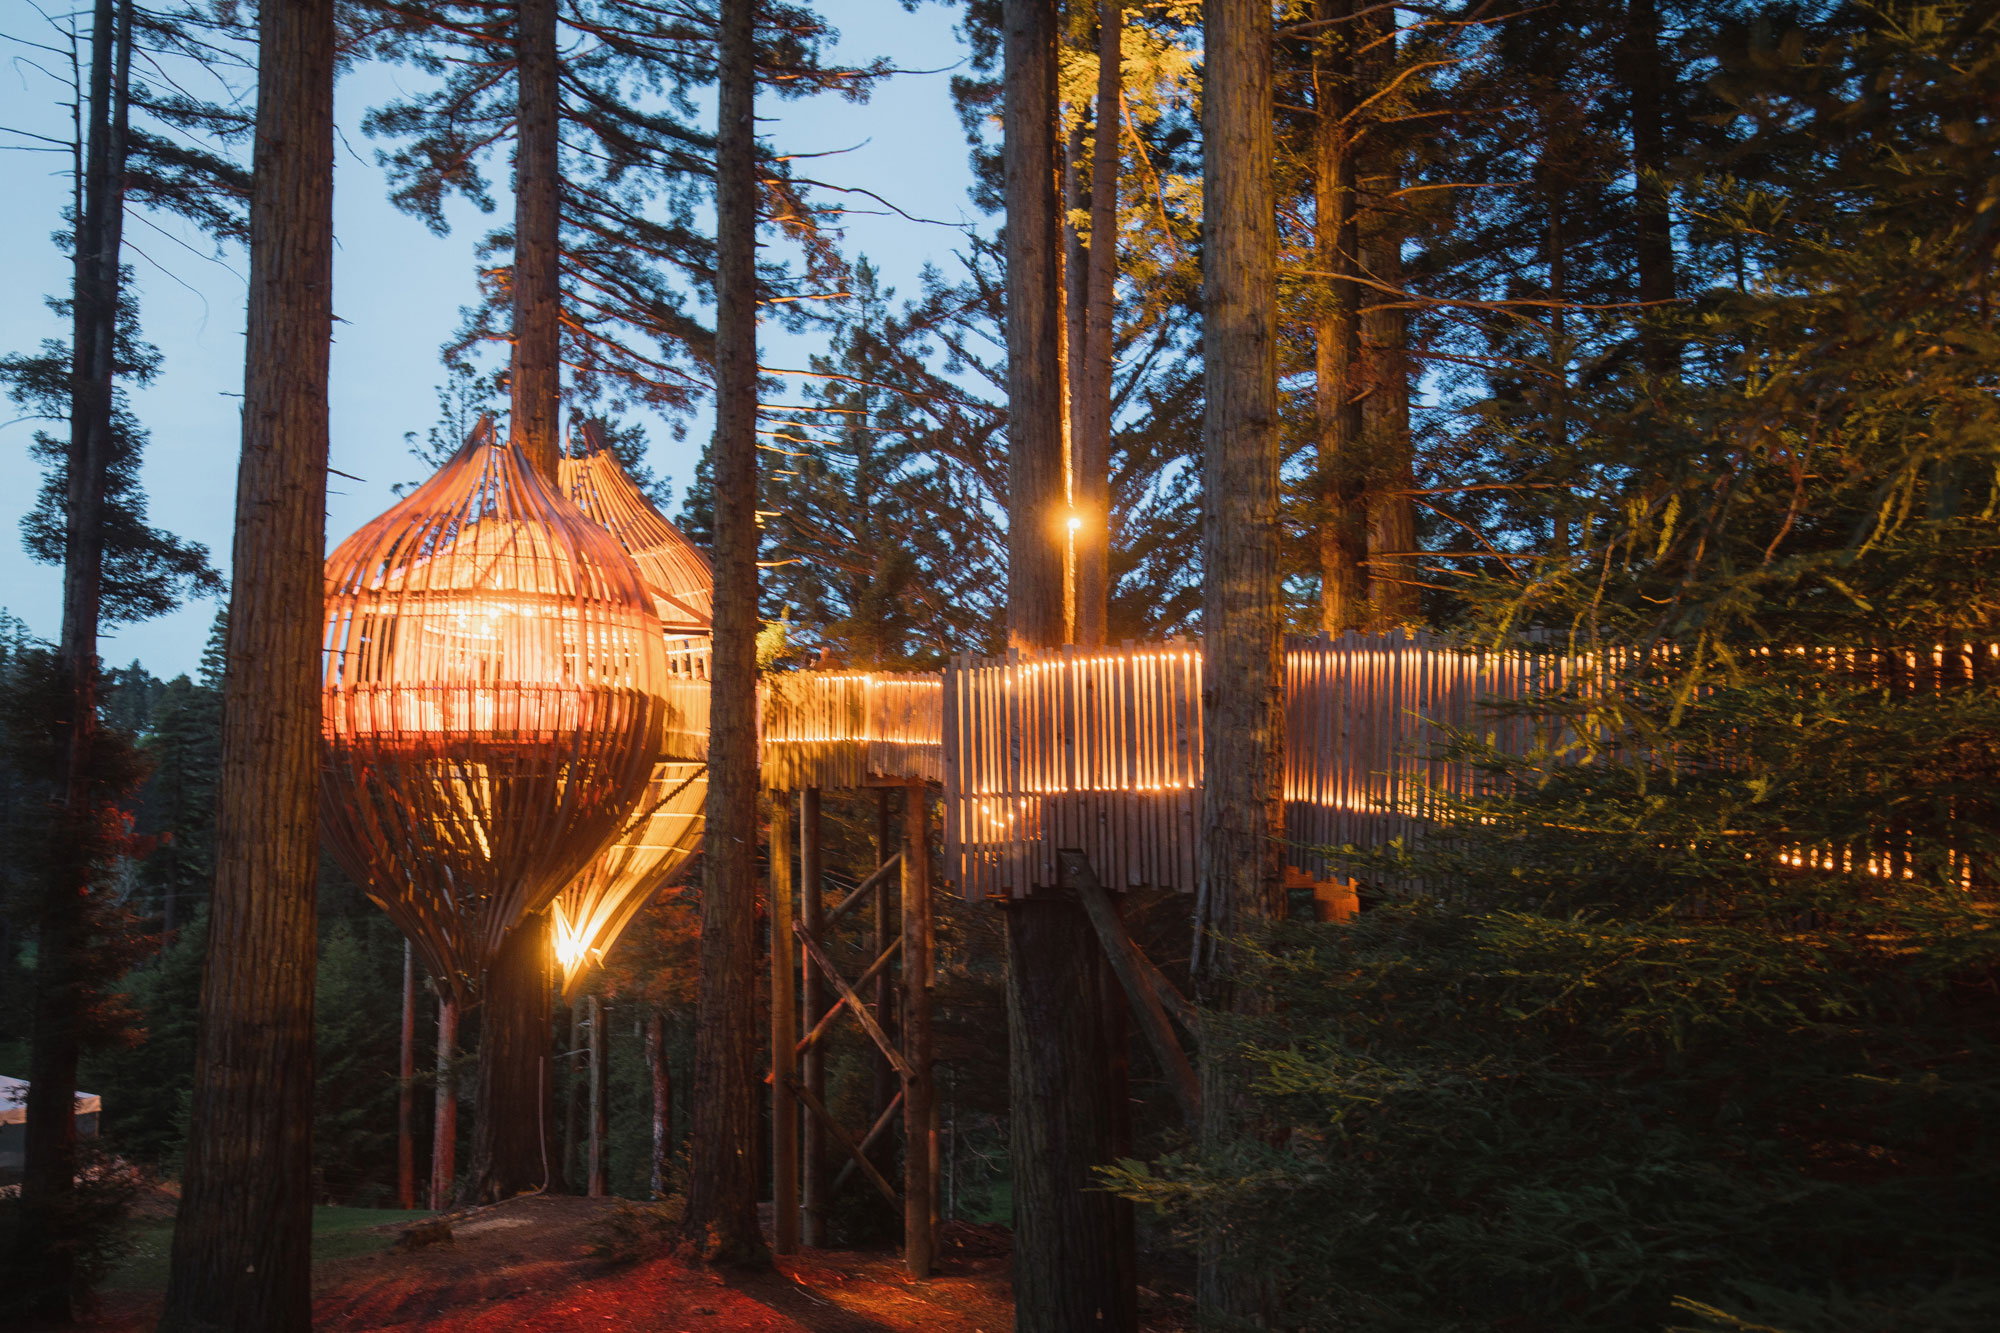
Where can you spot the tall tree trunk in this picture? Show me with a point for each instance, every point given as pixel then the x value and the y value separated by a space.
pixel 1646 80
pixel 513 1107
pixel 662 1081
pixel 511 1126
pixel 722 1188
pixel 1090 381
pixel 1034 333
pixel 1242 705
pixel 1556 185
pixel 1065 1243
pixel 1385 331
pixel 406 1072
pixel 45 1258
pixel 1338 389
pixel 537 378
pixel 241 1248
pixel 444 1120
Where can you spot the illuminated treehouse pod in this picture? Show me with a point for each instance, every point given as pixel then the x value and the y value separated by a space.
pixel 494 702
pixel 665 831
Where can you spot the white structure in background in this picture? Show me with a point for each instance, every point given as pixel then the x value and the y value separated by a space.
pixel 14 1119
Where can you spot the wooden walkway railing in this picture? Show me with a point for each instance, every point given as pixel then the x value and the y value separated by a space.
pixel 850 729
pixel 1093 749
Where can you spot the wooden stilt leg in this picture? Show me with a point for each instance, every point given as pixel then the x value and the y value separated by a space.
pixel 812 911
pixel 444 1139
pixel 784 1036
pixel 919 1100
pixel 406 1069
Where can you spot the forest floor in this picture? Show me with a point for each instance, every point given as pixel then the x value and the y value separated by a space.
pixel 530 1266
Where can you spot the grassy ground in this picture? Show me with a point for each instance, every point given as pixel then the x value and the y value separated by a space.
pixel 338 1233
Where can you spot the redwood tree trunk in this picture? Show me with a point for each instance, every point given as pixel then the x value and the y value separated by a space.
pixel 723 1184
pixel 1066 1242
pixel 1090 389
pixel 1338 389
pixel 537 379
pixel 599 1173
pixel 511 1127
pixel 1385 329
pixel 1242 703
pixel 241 1248
pixel 513 1109
pixel 1653 242
pixel 45 1269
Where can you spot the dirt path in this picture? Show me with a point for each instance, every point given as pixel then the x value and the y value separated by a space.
pixel 525 1267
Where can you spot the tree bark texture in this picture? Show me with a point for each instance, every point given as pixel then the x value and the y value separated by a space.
pixel 537 378
pixel 662 1082
pixel 1034 327
pixel 1090 383
pixel 1242 618
pixel 1646 80
pixel 1338 388
pixel 813 1002
pixel 1241 615
pixel 444 1123
pixel 511 1126
pixel 241 1250
pixel 1067 1273
pixel 722 1191
pixel 1065 1233
pixel 44 1265
pixel 1385 331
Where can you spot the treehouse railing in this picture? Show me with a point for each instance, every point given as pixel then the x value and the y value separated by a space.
pixel 1093 749
pixel 850 728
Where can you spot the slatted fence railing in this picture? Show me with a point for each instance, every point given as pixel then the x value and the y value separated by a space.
pixel 850 729
pixel 1096 749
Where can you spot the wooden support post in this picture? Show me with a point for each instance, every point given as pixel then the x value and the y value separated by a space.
pixel 919 1100
pixel 406 1070
pixel 1146 1008
pixel 811 911
pixel 444 1136
pixel 810 1042
pixel 784 1033
pixel 663 1100
pixel 600 1103
pixel 886 1071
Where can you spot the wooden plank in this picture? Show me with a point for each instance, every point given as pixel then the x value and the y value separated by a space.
pixel 875 880
pixel 846 1140
pixel 861 1013
pixel 875 1132
pixel 1146 1007
pixel 784 1028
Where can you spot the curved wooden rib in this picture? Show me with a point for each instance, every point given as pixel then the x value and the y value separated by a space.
pixel 655 845
pixel 673 567
pixel 494 700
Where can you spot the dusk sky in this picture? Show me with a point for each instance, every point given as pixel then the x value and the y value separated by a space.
pixel 397 294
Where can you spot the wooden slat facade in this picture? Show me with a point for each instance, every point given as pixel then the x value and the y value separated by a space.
pixel 850 728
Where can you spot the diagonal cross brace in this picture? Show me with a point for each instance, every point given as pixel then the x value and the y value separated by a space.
pixel 861 1013
pixel 845 1140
